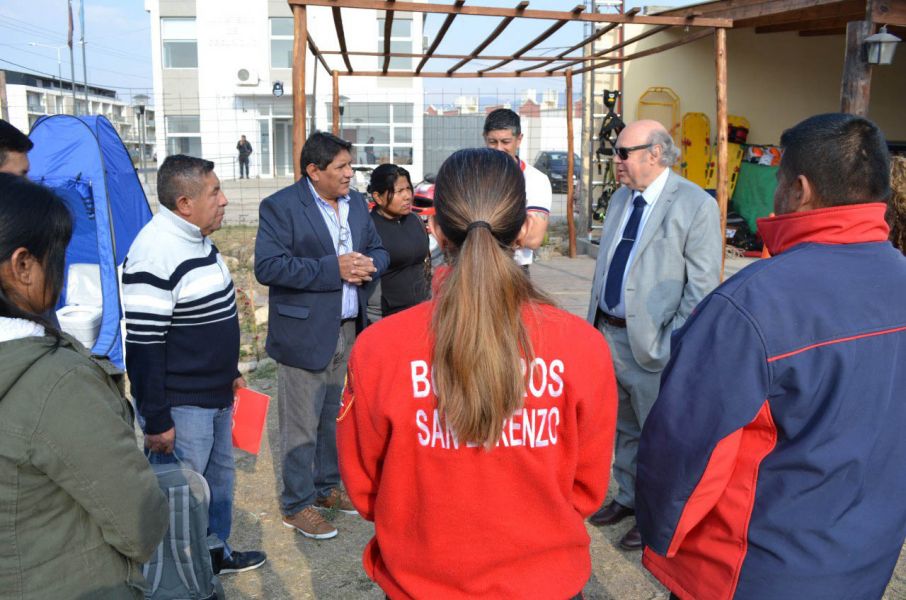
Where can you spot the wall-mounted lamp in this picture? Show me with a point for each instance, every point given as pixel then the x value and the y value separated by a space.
pixel 881 46
pixel 278 89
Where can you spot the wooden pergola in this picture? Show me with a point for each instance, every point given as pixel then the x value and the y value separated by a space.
pixel 565 64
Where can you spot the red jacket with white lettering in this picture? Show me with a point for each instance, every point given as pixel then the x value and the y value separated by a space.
pixel 455 521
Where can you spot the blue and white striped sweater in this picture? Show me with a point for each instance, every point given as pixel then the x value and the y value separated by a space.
pixel 182 327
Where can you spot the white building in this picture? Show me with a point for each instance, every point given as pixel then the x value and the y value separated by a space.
pixel 216 63
pixel 29 97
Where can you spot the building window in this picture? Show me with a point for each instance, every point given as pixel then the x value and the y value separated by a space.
pixel 282 43
pixel 180 43
pixel 400 41
pixel 380 132
pixel 184 135
pixel 35 102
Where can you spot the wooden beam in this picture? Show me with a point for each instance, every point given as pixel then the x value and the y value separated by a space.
pixel 543 59
pixel 617 60
pixel 748 9
pixel 341 37
pixel 889 12
pixel 623 44
pixel 388 29
pixel 717 7
pixel 723 177
pixel 504 23
pixel 855 89
pixel 852 9
pixel 317 53
pixel 440 35
pixel 813 25
pixel 601 32
pixel 335 104
pixel 546 34
pixel 570 165
pixel 688 39
pixel 300 36
pixel 551 15
pixel 444 74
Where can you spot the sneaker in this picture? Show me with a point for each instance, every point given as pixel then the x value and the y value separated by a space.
pixel 310 523
pixel 337 499
pixel 238 562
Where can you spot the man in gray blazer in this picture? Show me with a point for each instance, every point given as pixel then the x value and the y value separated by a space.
pixel 660 254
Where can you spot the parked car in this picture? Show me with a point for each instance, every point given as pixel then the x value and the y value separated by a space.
pixel 553 164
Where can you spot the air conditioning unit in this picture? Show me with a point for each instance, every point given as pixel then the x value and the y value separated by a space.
pixel 245 76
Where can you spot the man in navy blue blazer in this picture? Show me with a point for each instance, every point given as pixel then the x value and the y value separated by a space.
pixel 319 252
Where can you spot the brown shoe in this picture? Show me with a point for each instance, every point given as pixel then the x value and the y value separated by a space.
pixel 611 514
pixel 632 540
pixel 339 500
pixel 310 523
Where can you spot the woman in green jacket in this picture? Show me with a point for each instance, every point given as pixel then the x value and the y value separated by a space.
pixel 80 508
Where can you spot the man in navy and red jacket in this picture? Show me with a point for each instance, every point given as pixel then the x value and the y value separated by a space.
pixel 772 463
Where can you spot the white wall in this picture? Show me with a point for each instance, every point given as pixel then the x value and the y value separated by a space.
pixel 775 80
pixel 234 34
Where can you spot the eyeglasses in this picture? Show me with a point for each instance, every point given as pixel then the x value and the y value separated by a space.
pixel 623 153
pixel 344 237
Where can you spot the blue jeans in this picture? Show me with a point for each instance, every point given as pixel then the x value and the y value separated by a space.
pixel 204 441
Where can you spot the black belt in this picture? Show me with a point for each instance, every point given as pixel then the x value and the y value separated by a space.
pixel 344 321
pixel 612 320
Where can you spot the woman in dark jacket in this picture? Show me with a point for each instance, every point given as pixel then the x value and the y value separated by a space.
pixel 405 283
pixel 80 506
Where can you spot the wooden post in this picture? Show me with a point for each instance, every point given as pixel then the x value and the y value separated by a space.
pixel 570 164
pixel 855 89
pixel 723 179
pixel 335 105
pixel 300 39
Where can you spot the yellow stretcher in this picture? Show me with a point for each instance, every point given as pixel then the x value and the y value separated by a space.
pixel 696 148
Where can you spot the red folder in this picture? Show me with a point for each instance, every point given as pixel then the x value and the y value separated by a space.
pixel 249 417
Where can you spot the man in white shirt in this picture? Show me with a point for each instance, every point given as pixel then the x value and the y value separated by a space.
pixel 660 254
pixel 503 131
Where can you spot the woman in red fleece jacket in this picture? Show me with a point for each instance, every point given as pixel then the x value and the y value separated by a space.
pixel 477 470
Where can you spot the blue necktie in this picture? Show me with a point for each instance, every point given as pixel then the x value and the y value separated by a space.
pixel 614 284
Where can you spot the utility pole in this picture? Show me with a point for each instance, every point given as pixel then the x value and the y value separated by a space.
pixel 140 101
pixel 59 60
pixel 75 109
pixel 82 41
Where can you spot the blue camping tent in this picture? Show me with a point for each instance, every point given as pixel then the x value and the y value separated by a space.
pixel 85 162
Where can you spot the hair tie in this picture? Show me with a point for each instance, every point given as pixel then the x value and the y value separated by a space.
pixel 475 224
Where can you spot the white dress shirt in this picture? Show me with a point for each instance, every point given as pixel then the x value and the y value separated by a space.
pixel 650 195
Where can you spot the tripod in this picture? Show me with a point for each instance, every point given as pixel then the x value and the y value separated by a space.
pixel 611 127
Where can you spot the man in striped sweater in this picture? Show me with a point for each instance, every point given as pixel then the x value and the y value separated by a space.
pixel 182 337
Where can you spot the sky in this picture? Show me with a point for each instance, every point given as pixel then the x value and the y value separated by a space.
pixel 118 47
pixel 117 32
